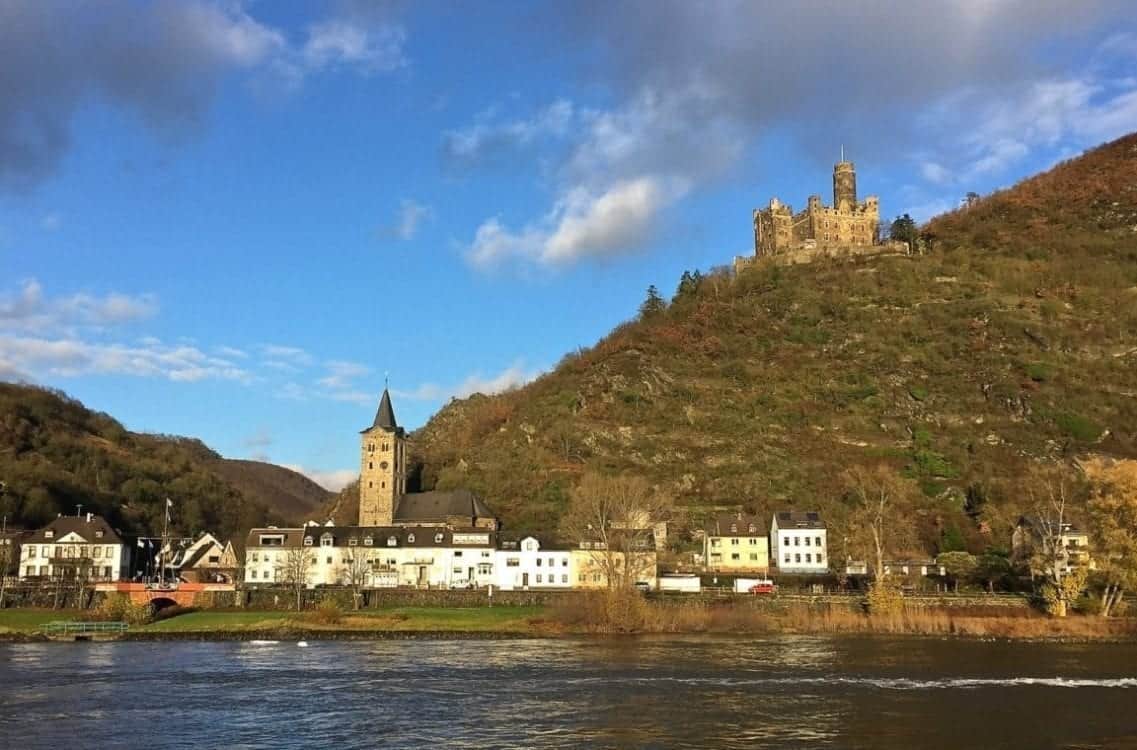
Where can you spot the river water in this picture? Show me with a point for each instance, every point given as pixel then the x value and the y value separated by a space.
pixel 777 692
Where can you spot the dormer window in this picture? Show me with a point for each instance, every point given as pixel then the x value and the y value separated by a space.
pixel 326 540
pixel 734 528
pixel 98 534
pixel 307 541
pixel 353 542
pixel 410 538
pixel 391 541
pixel 751 528
pixel 368 541
pixel 49 534
pixel 438 538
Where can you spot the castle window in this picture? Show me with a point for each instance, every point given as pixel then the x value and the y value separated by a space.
pixel 370 465
pixel 383 485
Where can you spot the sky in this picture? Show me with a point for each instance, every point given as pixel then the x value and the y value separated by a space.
pixel 238 220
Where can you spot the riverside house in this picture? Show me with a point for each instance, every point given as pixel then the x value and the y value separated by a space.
pixel 372 556
pixel 1033 536
pixel 736 543
pixel 75 547
pixel 800 542
pixel 523 565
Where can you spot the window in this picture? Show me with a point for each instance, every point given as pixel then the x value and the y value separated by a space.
pixel 353 542
pixel 538 562
pixel 43 570
pixel 753 542
pixel 753 555
pixel 457 571
pixel 751 528
pixel 808 557
pixel 391 541
pixel 410 538
pixel 716 542
pixel 817 541
pixel 538 578
pixel 326 540
pixel 457 553
pixel 45 551
pixel 307 541
pixel 485 553
pixel 787 557
pixel 31 553
pixel 370 465
pixel 734 542
pixel 552 562
pixel 30 570
pixel 272 540
pixel 797 540
pixel 254 558
pixel 512 562
pixel 734 528
pixel 797 557
pixel 807 541
pixel 734 556
pixel 98 552
pixel 819 559
pixel 369 485
pixel 564 562
pixel 438 538
pixel 328 560
pixel 214 559
pixel 110 551
pixel 99 534
pixel 49 534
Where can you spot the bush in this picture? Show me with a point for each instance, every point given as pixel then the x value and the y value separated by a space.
pixel 1078 427
pixel 884 598
pixel 327 612
pixel 119 608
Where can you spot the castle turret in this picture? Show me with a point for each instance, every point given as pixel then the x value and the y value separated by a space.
pixel 844 186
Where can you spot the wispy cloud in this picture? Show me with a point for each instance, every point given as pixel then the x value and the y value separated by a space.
pixel 341 42
pixel 511 377
pixel 332 480
pixel 409 220
pixel 30 309
pixel 286 358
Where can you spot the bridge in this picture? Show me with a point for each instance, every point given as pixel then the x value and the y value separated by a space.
pixel 160 596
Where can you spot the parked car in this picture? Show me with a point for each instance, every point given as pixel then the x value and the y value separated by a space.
pixel 643 586
pixel 764 587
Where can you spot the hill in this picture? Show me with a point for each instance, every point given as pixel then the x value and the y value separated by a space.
pixel 1013 341
pixel 56 454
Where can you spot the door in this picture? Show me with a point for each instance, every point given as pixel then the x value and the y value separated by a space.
pixel 524 580
pixel 423 580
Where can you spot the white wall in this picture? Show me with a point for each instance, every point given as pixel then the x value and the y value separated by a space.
pixel 807 550
pixel 531 567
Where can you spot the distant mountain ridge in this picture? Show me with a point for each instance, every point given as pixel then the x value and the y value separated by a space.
pixel 56 454
pixel 1013 341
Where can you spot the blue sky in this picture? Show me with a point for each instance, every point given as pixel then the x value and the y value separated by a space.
pixel 231 220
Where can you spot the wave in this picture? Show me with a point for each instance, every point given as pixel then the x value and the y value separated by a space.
pixel 883 683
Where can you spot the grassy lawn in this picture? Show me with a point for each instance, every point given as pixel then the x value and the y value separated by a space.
pixel 31 620
pixel 398 619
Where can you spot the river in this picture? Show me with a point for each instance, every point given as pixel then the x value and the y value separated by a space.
pixel 778 692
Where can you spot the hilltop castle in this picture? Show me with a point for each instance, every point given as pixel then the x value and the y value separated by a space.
pixel 848 227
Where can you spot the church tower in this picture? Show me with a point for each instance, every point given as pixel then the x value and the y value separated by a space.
pixel 382 467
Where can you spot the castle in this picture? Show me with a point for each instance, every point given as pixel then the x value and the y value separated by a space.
pixel 383 497
pixel 847 228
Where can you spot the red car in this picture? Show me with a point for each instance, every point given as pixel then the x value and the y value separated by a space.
pixel 763 587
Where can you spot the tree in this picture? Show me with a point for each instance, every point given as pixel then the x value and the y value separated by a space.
pixel 615 519
pixel 1050 494
pixel 295 570
pixel 991 567
pixel 904 230
pixel 689 285
pixel 970 199
pixel 957 566
pixel 881 519
pixel 1113 518
pixel 356 573
pixel 653 304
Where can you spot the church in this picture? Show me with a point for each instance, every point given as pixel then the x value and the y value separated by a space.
pixel 383 496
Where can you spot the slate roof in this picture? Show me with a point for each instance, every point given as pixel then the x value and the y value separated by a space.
pixel 798 519
pixel 405 536
pixel 80 525
pixel 720 525
pixel 385 416
pixel 437 506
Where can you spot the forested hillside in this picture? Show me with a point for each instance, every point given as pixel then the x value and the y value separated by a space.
pixel 56 454
pixel 1012 342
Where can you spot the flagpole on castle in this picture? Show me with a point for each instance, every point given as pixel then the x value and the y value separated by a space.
pixel 165 543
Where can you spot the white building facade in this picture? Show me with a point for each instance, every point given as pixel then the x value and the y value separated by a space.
pixel 75 547
pixel 799 543
pixel 524 565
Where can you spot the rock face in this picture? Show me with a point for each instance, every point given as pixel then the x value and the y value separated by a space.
pixel 758 389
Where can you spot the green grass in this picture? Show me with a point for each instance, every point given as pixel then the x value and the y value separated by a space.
pixel 392 619
pixel 31 620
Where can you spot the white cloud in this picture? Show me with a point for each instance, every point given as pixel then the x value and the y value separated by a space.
pixel 582 224
pixel 340 42
pixel 489 135
pixel 72 357
pixel 230 351
pixel 332 480
pixel 511 377
pixel 290 358
pixel 31 310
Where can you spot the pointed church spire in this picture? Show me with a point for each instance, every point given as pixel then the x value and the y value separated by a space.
pixel 385 417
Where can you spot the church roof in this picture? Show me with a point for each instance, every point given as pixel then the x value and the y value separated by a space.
pixel 439 505
pixel 385 416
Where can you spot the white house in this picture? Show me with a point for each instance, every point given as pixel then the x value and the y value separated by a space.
pixel 77 547
pixel 524 565
pixel 374 556
pixel 798 542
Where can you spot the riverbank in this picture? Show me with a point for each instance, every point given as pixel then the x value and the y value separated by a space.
pixel 551 622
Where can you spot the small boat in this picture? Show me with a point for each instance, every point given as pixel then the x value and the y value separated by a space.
pixel 302 644
pixel 263 643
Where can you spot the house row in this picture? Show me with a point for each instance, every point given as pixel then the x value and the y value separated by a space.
pixel 436 557
pixel 795 542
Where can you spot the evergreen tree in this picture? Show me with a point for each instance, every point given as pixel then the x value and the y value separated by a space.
pixel 653 304
pixel 904 230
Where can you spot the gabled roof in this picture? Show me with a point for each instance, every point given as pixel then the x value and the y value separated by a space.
pixel 437 506
pixel 86 527
pixel 385 415
pixel 404 536
pixel 721 525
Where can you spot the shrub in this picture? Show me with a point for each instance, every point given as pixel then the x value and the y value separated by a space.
pixel 1078 427
pixel 1039 372
pixel 327 612
pixel 884 598
pixel 119 608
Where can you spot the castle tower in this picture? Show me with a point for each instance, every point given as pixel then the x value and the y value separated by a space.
pixel 382 467
pixel 844 186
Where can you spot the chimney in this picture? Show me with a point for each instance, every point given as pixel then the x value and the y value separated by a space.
pixel 89 517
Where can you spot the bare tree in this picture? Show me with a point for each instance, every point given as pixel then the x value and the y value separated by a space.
pixel 1050 494
pixel 295 569
pixel 614 518
pixel 356 573
pixel 881 520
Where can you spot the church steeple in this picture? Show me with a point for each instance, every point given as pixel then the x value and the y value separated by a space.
pixel 382 467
